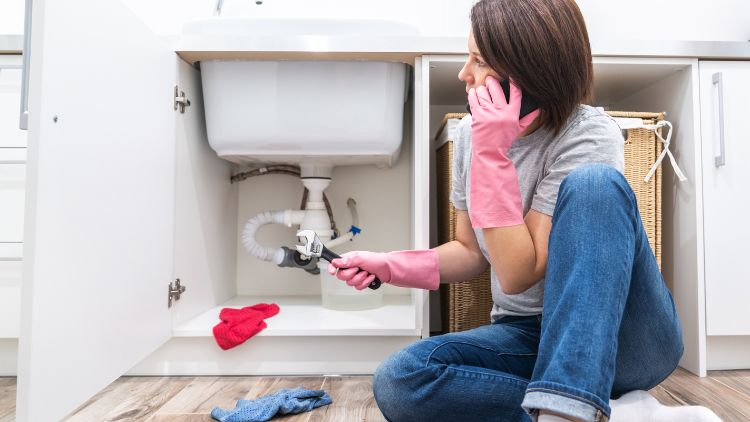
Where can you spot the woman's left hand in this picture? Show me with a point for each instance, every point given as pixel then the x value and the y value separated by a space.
pixel 495 121
pixel 495 197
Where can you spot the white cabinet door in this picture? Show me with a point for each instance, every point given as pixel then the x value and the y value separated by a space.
pixel 100 203
pixel 725 92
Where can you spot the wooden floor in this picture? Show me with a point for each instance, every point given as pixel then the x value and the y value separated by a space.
pixel 190 399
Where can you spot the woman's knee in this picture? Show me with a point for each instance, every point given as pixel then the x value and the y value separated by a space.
pixel 595 177
pixel 394 383
pixel 595 184
pixel 387 372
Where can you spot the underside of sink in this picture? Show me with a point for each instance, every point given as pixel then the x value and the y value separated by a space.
pixel 337 113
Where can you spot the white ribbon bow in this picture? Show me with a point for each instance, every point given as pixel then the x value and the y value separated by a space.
pixel 634 123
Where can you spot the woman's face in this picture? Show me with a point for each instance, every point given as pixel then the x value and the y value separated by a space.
pixel 475 70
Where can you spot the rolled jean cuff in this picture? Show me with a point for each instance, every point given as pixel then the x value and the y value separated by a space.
pixel 565 401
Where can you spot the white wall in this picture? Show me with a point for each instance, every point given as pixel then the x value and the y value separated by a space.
pixel 705 20
pixel 724 20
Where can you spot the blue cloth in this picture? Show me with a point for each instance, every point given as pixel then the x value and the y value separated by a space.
pixel 282 402
pixel 608 326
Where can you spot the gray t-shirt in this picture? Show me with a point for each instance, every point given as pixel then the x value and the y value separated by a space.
pixel 542 161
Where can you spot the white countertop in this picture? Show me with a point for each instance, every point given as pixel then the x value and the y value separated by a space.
pixel 692 49
pixel 405 48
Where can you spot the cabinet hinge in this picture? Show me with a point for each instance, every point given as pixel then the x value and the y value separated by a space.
pixel 180 99
pixel 174 292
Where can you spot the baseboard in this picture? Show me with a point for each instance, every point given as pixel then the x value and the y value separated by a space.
pixel 271 355
pixel 727 352
pixel 8 357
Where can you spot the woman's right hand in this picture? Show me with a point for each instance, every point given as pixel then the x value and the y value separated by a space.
pixel 358 269
pixel 420 268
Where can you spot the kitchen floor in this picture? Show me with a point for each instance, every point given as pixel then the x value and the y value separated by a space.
pixel 190 399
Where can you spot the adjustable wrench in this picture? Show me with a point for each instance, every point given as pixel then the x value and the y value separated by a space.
pixel 312 246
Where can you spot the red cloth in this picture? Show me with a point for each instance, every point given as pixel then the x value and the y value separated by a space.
pixel 238 325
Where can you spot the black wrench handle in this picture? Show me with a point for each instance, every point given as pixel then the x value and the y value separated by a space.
pixel 330 256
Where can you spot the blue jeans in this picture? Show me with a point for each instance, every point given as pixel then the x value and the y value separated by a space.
pixel 608 326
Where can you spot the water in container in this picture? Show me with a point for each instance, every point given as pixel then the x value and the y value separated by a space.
pixel 338 295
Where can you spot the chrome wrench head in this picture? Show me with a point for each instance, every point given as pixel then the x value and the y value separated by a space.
pixel 311 244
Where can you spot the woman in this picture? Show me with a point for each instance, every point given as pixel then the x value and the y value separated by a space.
pixel 581 312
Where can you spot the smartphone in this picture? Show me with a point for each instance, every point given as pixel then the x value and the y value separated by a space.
pixel 528 103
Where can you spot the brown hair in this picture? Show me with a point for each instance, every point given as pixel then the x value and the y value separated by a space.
pixel 543 46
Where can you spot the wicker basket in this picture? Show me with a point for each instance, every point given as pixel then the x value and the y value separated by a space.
pixel 466 304
pixel 641 151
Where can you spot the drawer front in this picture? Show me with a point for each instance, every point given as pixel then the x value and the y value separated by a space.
pixel 10 102
pixel 10 298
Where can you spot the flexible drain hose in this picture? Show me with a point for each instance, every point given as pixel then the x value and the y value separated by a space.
pixel 248 236
pixel 352 204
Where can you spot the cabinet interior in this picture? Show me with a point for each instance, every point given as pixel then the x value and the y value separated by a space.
pixel 218 272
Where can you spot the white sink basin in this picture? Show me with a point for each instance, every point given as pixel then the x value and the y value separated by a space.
pixel 313 112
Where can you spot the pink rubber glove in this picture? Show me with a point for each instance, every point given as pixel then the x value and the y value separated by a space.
pixel 494 193
pixel 420 269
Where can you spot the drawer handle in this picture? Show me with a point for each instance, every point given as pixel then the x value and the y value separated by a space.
pixel 24 119
pixel 719 82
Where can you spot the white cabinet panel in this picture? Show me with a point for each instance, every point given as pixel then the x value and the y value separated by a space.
pixel 12 190
pixel 724 91
pixel 98 242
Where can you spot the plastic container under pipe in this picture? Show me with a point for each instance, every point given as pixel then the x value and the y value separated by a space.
pixel 337 295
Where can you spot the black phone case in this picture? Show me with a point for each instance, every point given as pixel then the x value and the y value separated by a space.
pixel 528 103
